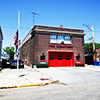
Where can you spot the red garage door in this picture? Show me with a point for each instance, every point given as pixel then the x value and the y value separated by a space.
pixel 61 59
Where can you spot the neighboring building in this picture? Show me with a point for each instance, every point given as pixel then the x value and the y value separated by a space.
pixel 98 53
pixel 1 38
pixel 89 59
pixel 59 45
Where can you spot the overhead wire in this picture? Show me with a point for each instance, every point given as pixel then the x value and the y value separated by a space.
pixel 15 27
pixel 29 28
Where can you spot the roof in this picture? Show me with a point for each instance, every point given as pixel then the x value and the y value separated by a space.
pixel 39 28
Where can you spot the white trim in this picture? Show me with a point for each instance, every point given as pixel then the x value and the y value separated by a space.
pixel 25 40
pixel 28 36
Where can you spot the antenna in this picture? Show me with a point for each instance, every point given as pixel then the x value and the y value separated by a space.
pixel 34 13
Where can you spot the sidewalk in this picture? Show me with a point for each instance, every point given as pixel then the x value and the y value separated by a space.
pixel 20 77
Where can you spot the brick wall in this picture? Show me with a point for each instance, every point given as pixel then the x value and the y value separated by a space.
pixel 41 46
pixel 78 47
pixel 26 51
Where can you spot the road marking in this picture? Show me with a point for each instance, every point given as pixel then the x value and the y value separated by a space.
pixel 41 84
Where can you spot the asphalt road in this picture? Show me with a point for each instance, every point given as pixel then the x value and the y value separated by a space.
pixel 88 91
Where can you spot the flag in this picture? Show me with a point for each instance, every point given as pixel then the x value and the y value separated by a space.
pixel 16 41
pixel 16 38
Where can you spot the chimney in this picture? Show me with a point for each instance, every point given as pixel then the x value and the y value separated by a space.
pixel 61 26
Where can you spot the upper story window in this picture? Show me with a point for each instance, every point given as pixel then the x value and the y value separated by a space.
pixel 60 38
pixel 53 38
pixel 67 38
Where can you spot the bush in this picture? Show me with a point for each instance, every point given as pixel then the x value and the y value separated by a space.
pixel 42 65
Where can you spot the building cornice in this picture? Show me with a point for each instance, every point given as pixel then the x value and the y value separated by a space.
pixel 56 31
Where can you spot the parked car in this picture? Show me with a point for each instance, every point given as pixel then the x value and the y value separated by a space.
pixel 14 64
pixel 4 63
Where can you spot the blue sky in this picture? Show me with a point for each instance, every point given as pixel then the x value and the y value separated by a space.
pixel 69 13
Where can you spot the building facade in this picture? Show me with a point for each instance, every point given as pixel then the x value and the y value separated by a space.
pixel 98 53
pixel 59 46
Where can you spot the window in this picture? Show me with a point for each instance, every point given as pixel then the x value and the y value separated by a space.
pixel 53 38
pixel 60 38
pixel 59 55
pixel 51 57
pixel 67 38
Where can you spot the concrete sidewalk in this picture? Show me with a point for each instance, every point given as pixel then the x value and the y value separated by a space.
pixel 20 77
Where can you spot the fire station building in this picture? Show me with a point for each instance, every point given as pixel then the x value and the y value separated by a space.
pixel 59 46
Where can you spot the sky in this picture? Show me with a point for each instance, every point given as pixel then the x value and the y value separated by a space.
pixel 69 13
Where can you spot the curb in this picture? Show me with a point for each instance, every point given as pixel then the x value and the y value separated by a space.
pixel 41 84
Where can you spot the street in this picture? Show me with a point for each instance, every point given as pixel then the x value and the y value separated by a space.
pixel 78 83
pixel 89 91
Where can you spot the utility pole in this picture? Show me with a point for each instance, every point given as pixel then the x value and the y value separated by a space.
pixel 91 29
pixel 93 44
pixel 18 39
pixel 33 13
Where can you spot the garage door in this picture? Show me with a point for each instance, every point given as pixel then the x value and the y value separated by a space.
pixel 61 59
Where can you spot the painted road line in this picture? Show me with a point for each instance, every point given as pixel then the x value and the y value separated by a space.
pixel 41 84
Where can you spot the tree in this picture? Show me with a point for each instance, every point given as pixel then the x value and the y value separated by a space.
pixel 10 52
pixel 89 49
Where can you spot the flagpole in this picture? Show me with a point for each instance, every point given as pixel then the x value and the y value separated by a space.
pixel 18 39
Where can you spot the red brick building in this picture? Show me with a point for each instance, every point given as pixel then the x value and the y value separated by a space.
pixel 61 46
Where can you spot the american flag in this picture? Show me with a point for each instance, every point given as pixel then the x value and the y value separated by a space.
pixel 16 41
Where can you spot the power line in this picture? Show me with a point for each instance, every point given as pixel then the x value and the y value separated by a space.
pixel 15 27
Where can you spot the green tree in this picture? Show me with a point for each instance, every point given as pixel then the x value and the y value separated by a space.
pixel 88 47
pixel 10 52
